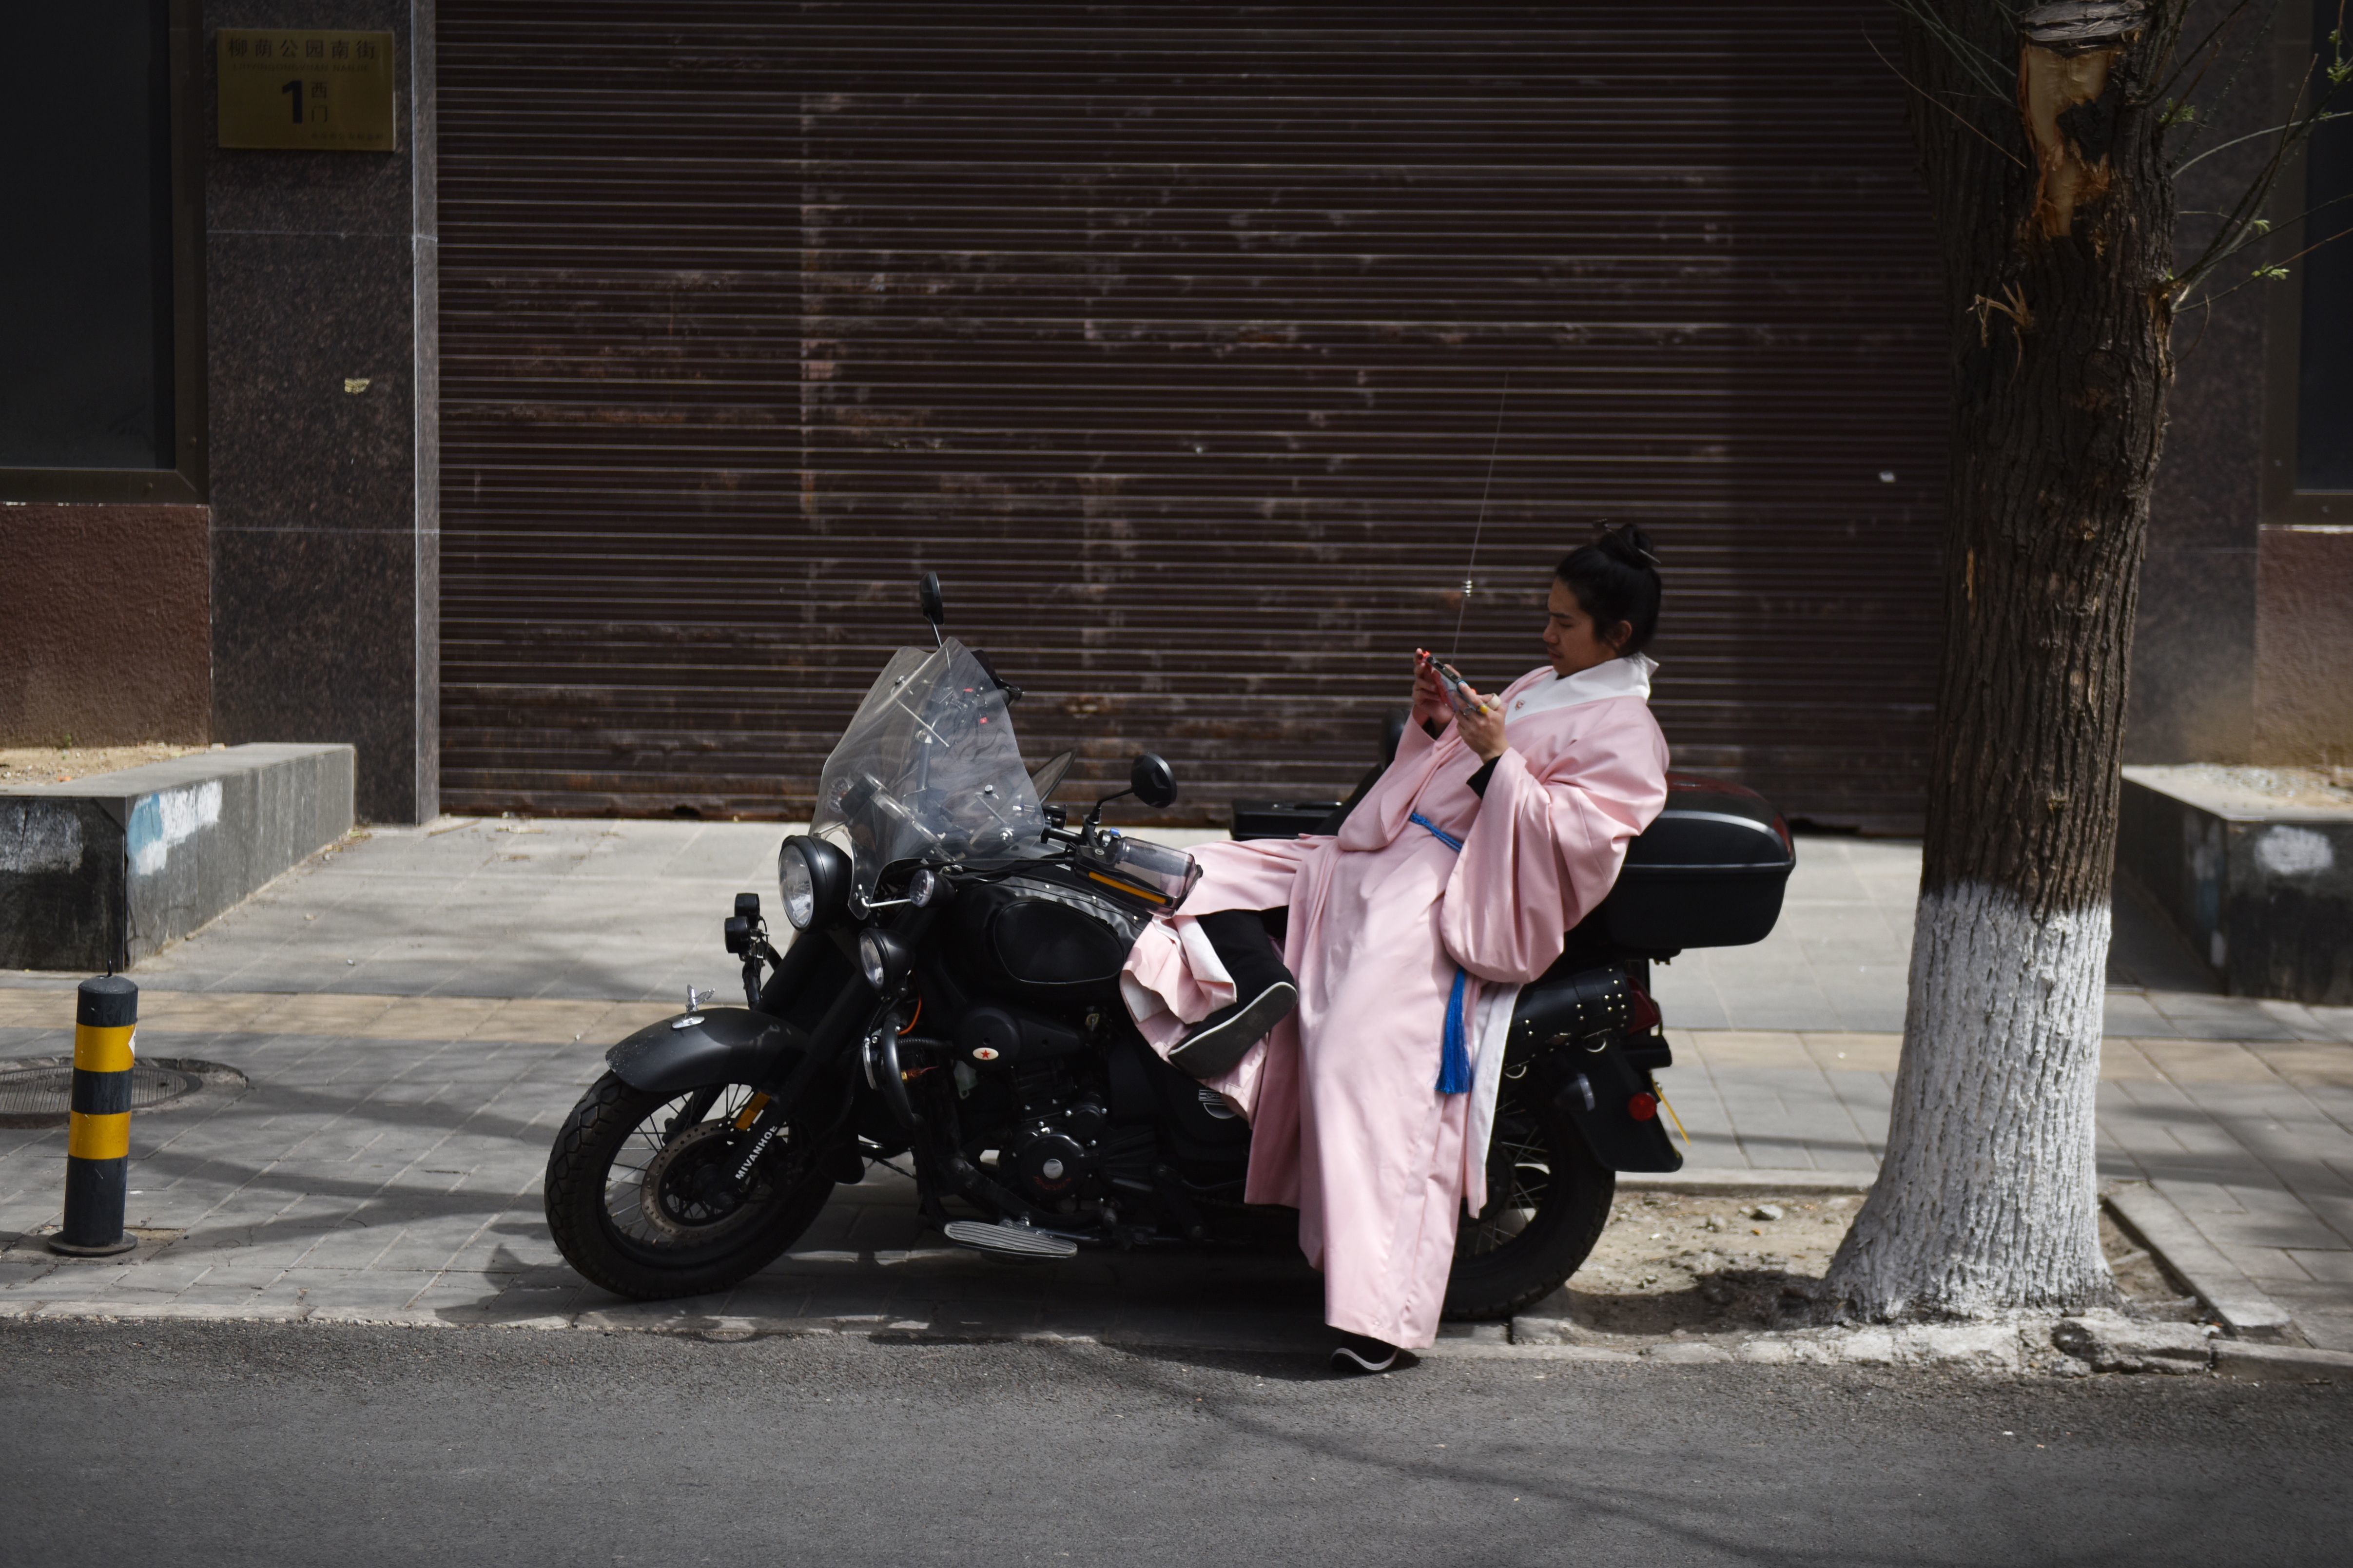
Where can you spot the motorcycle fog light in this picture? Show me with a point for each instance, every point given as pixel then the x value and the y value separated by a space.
pixel 883 959
pixel 922 887
pixel 798 888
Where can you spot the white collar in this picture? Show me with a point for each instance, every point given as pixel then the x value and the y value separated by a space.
pixel 1627 676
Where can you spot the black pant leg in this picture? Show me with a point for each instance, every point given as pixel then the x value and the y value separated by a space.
pixel 1241 940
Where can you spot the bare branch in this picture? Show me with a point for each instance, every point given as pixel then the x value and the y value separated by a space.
pixel 2263 226
pixel 2201 52
pixel 2309 250
pixel 2260 229
pixel 1948 108
pixel 2271 272
pixel 2244 223
pixel 2164 36
pixel 2241 61
pixel 1987 69
pixel 2302 126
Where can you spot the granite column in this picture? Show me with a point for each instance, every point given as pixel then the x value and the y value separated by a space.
pixel 320 318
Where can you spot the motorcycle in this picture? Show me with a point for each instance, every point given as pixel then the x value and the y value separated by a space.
pixel 947 989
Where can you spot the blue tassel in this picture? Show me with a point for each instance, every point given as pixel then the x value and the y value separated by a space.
pixel 1454 1056
pixel 1437 832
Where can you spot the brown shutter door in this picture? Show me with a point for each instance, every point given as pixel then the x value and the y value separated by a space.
pixel 1173 338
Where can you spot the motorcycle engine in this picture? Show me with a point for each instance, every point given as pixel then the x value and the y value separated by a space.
pixel 1055 1153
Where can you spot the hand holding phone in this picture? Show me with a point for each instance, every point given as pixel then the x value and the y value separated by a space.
pixel 1429 703
pixel 1451 681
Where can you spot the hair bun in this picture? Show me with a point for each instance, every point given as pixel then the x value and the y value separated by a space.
pixel 1616 581
pixel 1628 543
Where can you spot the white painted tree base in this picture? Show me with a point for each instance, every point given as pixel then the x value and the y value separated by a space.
pixel 1987 1200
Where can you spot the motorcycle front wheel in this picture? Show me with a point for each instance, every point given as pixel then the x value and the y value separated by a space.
pixel 1548 1201
pixel 640 1197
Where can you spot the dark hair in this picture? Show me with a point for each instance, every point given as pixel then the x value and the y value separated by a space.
pixel 1616 578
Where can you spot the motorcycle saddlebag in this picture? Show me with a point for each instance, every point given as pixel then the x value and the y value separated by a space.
pixel 1045 940
pixel 1709 873
pixel 1594 1046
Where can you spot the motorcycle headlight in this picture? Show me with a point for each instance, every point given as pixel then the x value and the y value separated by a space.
pixel 813 878
pixel 883 959
pixel 798 888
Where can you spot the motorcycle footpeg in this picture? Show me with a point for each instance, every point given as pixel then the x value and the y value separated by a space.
pixel 1008 1240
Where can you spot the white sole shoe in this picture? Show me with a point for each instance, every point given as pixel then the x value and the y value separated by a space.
pixel 1215 1049
pixel 1347 1358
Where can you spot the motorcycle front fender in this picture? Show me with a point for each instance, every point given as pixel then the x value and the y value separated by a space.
pixel 714 1045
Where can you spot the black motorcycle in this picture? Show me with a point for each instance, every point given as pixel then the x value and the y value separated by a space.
pixel 949 994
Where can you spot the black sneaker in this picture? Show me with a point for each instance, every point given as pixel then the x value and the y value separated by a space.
pixel 1362 1353
pixel 1219 1042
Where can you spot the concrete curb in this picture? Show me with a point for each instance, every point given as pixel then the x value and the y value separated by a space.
pixel 2004 1348
pixel 2281 1363
pixel 1487 1350
pixel 2154 1220
pixel 1737 1181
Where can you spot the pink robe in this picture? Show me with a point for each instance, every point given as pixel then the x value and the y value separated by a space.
pixel 1347 1122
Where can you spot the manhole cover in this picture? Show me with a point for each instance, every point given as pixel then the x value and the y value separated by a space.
pixel 39 1092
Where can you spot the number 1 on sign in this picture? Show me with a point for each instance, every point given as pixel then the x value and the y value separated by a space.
pixel 295 88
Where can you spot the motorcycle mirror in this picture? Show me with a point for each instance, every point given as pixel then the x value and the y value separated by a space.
pixel 929 599
pixel 1151 781
pixel 1051 773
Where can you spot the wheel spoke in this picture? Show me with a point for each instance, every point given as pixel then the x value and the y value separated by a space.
pixel 1519 1175
pixel 676 1189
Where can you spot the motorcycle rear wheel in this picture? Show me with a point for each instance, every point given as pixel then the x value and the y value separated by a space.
pixel 1548 1202
pixel 637 1204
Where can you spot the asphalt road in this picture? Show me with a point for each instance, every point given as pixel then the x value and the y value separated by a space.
pixel 200 1444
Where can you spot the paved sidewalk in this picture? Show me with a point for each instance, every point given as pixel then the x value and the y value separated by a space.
pixel 418 1010
pixel 629 911
pixel 385 1166
pixel 1839 957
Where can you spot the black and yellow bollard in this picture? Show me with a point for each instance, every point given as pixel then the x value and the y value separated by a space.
pixel 97 1141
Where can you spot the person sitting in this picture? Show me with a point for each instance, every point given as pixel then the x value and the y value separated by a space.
pixel 1365 1054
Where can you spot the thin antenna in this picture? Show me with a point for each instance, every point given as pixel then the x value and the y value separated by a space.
pixel 1469 581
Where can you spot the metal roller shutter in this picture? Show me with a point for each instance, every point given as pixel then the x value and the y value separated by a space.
pixel 1173 338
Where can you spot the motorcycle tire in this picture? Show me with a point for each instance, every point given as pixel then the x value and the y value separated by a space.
pixel 1519 1252
pixel 659 1245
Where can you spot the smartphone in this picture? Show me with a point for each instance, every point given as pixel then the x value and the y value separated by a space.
pixel 1453 681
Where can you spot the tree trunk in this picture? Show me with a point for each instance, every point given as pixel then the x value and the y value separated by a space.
pixel 2055 219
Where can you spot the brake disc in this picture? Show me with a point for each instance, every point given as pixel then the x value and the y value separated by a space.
pixel 686 1194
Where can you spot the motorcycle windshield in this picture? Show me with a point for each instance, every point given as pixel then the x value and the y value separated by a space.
pixel 928 764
